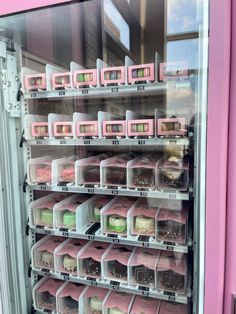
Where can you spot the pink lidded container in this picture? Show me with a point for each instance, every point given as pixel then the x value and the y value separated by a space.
pixel 172 308
pixel 35 82
pixel 141 128
pixel 87 129
pixel 40 170
pixel 115 128
pixel 61 80
pixel 39 129
pixel 118 302
pixel 113 76
pixel 141 73
pixel 172 127
pixel 85 78
pixel 63 129
pixel 145 305
pixel 93 299
pixel 68 298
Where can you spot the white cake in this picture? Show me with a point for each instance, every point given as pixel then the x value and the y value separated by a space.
pixel 144 224
pixel 96 305
pixel 69 263
pixel 47 259
pixel 115 310
pixel 117 223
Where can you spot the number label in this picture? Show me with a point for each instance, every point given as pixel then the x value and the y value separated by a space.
pixel 62 142
pixel 140 87
pixel 172 141
pixel 172 196
pixel 114 192
pixel 145 293
pixel 114 89
pixel 90 190
pixel 143 194
pixel 39 142
pixel 170 248
pixel 43 187
pixel 115 240
pixel 85 91
pixel 33 95
pixel 141 142
pixel 61 93
pixel 171 298
pixel 64 188
pixel 91 237
pixel 47 231
pixel 115 142
pixel 86 142
pixel 66 277
pixel 145 244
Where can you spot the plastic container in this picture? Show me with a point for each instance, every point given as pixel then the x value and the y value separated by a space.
pixel 113 76
pixel 141 73
pixel 172 127
pixel 141 128
pixel 173 70
pixel 145 305
pixel 172 308
pixel 68 298
pixel 118 303
pixel 85 78
pixel 93 299
pixel 34 82
pixel 61 80
pixel 39 170
pixel 114 128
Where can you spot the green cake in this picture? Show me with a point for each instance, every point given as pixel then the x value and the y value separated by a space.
pixel 47 217
pixel 69 220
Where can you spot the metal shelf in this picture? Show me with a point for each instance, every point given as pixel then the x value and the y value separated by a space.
pixel 112 285
pixel 111 142
pixel 111 91
pixel 106 191
pixel 137 241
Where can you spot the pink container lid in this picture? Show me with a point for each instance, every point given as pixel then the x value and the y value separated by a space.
pixel 74 203
pixel 180 217
pixel 116 254
pixel 168 261
pixel 172 308
pixel 142 211
pixel 145 306
pixel 100 293
pixel 147 257
pixel 95 251
pixel 119 300
pixel 148 161
pixel 50 285
pixel 51 244
pixel 72 290
pixel 72 248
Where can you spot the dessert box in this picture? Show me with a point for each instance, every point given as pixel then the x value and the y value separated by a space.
pixel 89 259
pixel 141 172
pixel 115 216
pixel 43 252
pixel 172 308
pixel 92 300
pixel 61 80
pixel 172 272
pixel 68 298
pixel 60 126
pixel 114 128
pixel 172 226
pixel 141 73
pixel 85 78
pixel 65 212
pixel 141 128
pixel 173 173
pixel 95 205
pixel 63 170
pixel 87 129
pixel 142 267
pixel 118 303
pixel 35 126
pixel 66 256
pixel 145 305
pixel 172 127
pixel 41 210
pixel 45 292
pixel 35 82
pixel 88 170
pixel 142 219
pixel 113 76
pixel 115 263
pixel 39 170
pixel 114 172
pixel 173 70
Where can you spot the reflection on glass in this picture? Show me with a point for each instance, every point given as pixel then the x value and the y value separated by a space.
pixel 181 16
pixel 115 23
pixel 183 50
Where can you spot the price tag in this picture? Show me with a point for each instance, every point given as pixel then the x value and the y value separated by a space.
pixel 171 298
pixel 145 244
pixel 39 142
pixel 85 91
pixel 116 240
pixel 115 285
pixel 141 142
pixel 172 196
pixel 114 192
pixel 91 191
pixel 62 142
pixel 114 89
pixel 65 276
pixel 91 237
pixel 143 194
pixel 64 188
pixel 87 142
pixel 43 187
pixel 115 142
pixel 61 93
pixel 33 95
pixel 140 87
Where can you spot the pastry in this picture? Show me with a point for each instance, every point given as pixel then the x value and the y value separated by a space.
pixel 171 280
pixel 43 174
pixel 47 259
pixel 69 220
pixel 116 176
pixel 115 310
pixel 143 275
pixel 97 208
pixel 70 306
pixel 118 270
pixel 117 224
pixel 96 305
pixel 170 230
pixel 48 301
pixel 92 267
pixel 144 224
pixel 47 217
pixel 144 177
pixel 69 263
pixel 68 173
pixel 92 174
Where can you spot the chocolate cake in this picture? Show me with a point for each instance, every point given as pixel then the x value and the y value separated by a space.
pixel 48 301
pixel 92 267
pixel 172 280
pixel 116 176
pixel 144 177
pixel 118 270
pixel 143 275
pixel 92 174
pixel 70 305
pixel 171 230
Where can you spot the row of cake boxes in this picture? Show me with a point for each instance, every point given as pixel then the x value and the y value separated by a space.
pixel 77 77
pixel 146 171
pixel 106 124
pixel 64 297
pixel 129 266
pixel 167 221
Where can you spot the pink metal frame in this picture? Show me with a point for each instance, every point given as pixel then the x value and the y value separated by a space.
pixel 216 171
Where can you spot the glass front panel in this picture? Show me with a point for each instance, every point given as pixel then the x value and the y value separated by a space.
pixel 114 120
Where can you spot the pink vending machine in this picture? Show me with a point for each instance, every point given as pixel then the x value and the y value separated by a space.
pixel 114 131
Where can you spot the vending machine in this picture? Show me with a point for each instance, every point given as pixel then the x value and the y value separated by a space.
pixel 114 125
